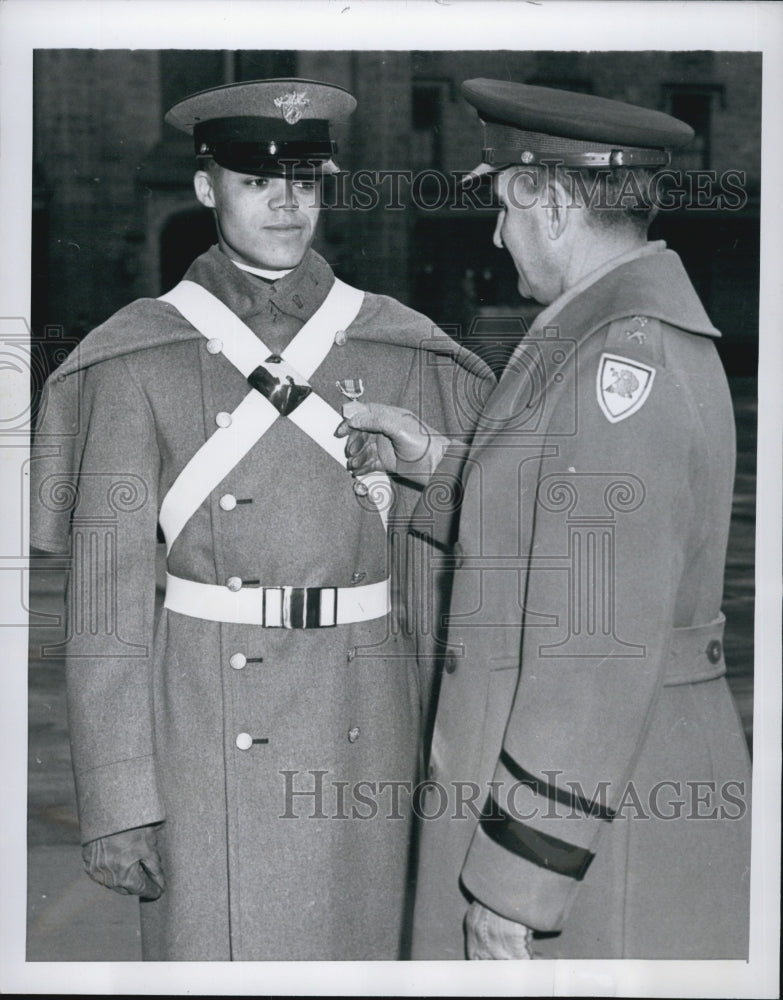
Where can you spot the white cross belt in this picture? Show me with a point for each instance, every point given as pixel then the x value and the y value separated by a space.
pixel 249 422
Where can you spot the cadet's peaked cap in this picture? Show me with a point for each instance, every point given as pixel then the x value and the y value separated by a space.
pixel 262 127
pixel 524 124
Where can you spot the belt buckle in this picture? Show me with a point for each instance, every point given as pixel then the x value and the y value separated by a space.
pixel 300 607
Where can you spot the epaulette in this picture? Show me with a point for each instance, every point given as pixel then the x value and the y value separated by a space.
pixel 637 337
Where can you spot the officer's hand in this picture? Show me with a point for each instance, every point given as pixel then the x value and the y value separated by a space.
pixel 367 448
pixel 488 935
pixel 391 439
pixel 127 862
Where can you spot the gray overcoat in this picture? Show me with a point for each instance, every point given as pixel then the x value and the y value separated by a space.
pixel 296 845
pixel 583 708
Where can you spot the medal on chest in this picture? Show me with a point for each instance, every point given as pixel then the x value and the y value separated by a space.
pixel 351 388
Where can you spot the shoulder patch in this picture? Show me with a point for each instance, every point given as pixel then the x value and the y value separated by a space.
pixel 622 386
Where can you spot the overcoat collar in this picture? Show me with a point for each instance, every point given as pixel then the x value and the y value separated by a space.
pixel 650 283
pixel 298 293
pixel 646 283
pixel 149 323
pixel 138 326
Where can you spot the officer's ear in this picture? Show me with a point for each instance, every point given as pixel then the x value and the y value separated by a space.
pixel 556 205
pixel 205 192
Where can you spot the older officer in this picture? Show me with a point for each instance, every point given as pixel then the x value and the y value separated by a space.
pixel 590 779
pixel 235 762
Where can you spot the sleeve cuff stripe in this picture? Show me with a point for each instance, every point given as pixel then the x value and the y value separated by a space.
pixel 565 798
pixel 532 845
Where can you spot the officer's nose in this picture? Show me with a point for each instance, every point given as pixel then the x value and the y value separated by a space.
pixel 497 237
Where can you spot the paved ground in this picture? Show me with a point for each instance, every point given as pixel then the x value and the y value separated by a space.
pixel 69 918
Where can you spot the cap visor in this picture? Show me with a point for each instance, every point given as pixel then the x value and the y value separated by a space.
pixel 296 170
pixel 476 174
pixel 330 167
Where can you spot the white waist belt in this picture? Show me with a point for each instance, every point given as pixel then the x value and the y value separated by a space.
pixel 278 607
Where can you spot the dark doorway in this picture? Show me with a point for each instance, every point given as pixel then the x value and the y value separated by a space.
pixel 186 235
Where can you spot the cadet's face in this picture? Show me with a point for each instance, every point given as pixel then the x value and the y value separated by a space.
pixel 522 229
pixel 266 222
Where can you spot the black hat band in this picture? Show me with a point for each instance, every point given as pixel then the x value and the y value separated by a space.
pixel 249 128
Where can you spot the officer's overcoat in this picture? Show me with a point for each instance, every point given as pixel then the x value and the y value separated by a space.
pixel 275 850
pixel 584 676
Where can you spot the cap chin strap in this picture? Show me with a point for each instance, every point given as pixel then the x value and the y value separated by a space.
pixel 499 158
pixel 506 145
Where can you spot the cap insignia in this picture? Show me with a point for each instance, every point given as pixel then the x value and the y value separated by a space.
pixel 291 106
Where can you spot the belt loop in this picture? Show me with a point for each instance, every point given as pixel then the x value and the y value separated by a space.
pixel 331 618
pixel 272 607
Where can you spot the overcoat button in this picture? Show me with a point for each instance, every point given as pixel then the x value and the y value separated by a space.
pixel 351 653
pixel 244 741
pixel 234 583
pixel 223 419
pixel 340 338
pixel 714 651
pixel 353 734
pixel 237 660
pixel 450 663
pixel 214 346
pixel 228 502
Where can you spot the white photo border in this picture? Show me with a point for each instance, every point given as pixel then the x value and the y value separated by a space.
pixel 398 24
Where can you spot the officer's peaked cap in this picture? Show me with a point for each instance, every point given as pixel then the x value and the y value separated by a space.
pixel 524 124
pixel 266 127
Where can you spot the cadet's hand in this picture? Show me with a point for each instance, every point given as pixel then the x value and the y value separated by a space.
pixel 488 935
pixel 387 438
pixel 127 862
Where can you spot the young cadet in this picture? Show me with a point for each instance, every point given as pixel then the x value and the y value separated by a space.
pixel 590 783
pixel 235 758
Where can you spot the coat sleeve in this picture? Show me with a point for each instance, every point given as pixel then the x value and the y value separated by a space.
pixel 111 480
pixel 55 455
pixel 454 390
pixel 613 508
pixel 447 390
